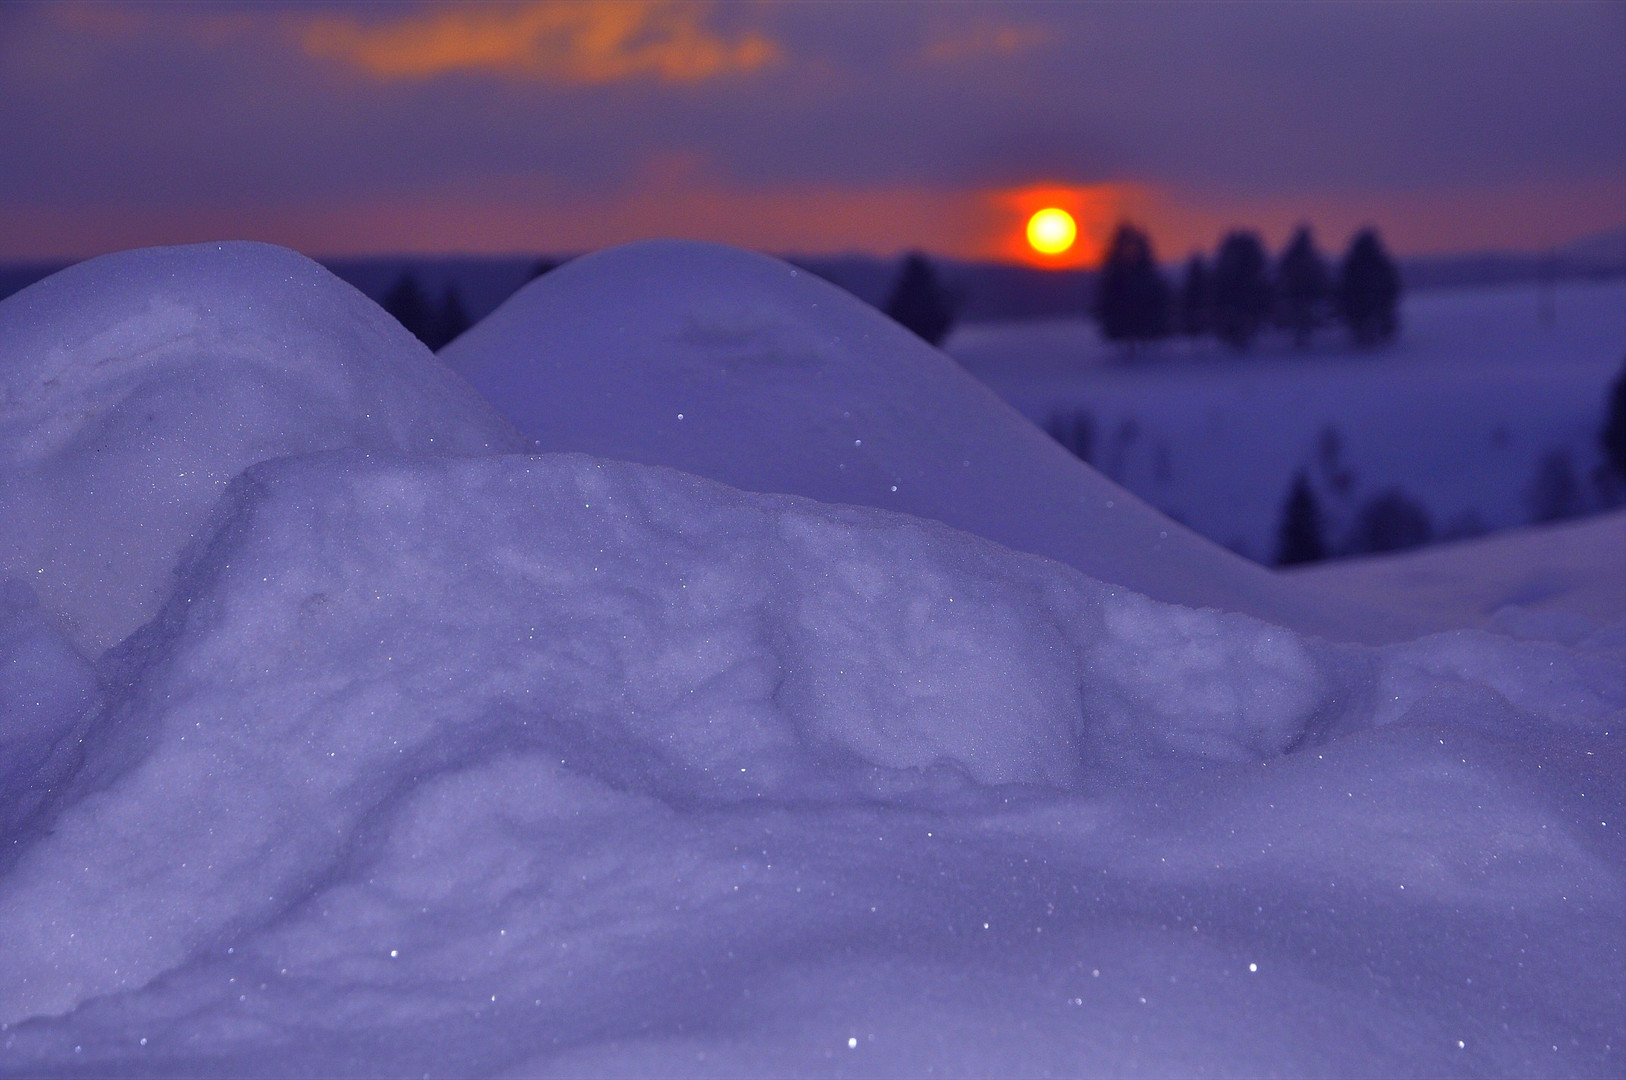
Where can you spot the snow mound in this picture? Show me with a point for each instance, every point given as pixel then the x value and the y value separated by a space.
pixel 353 624
pixel 134 386
pixel 356 627
pixel 742 368
pixel 46 688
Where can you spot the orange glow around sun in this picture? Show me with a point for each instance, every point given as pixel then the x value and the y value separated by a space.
pixel 1051 231
pixel 1031 222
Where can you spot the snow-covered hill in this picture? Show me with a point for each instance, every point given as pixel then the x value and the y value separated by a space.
pixel 742 368
pixel 134 386
pixel 491 763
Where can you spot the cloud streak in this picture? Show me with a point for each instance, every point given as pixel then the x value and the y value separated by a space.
pixel 559 42
pixel 986 40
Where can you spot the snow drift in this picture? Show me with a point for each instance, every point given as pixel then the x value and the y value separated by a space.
pixel 358 635
pixel 134 386
pixel 491 764
pixel 744 369
pixel 352 625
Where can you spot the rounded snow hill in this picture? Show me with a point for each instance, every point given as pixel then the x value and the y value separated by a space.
pixel 133 387
pixel 742 368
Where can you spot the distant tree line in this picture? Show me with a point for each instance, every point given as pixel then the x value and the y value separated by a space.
pixel 1324 514
pixel 1239 293
pixel 435 325
pixel 1392 521
pixel 438 325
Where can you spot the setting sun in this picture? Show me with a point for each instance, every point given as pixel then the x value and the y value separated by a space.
pixel 1051 231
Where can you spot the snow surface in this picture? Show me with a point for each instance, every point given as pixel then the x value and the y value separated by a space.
pixel 1563 581
pixel 133 387
pixel 1458 413
pixel 747 370
pixel 555 765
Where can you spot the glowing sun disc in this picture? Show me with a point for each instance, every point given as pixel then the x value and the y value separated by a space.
pixel 1051 231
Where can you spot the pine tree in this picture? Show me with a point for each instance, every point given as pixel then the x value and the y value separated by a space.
pixel 452 319
pixel 1196 315
pixel 408 304
pixel 919 302
pixel 1241 289
pixel 1554 492
pixel 1390 521
pixel 1369 291
pixel 1303 288
pixel 1132 300
pixel 1613 436
pixel 1299 537
pixel 1075 431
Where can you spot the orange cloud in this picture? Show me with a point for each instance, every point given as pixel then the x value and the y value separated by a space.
pixel 987 40
pixel 558 41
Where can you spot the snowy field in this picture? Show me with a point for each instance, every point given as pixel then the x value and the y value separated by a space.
pixel 1460 413
pixel 697 675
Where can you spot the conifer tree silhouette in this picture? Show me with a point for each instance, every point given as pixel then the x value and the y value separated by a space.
pixel 1196 315
pixel 1613 436
pixel 1389 521
pixel 452 319
pixel 1299 536
pixel 410 307
pixel 1554 492
pixel 1241 287
pixel 919 302
pixel 1303 288
pixel 1369 291
pixel 1132 300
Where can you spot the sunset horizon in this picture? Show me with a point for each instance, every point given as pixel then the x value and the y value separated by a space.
pixel 494 129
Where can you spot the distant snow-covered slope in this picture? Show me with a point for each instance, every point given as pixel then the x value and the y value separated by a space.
pixel 1486 409
pixel 1562 578
pixel 134 386
pixel 744 369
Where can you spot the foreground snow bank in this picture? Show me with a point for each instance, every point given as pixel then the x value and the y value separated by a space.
pixel 353 623
pixel 446 742
pixel 134 386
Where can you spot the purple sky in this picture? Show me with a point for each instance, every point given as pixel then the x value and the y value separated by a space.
pixel 344 128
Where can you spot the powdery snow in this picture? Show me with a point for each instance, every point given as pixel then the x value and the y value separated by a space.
pixel 492 764
pixel 1563 580
pixel 134 386
pixel 747 370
